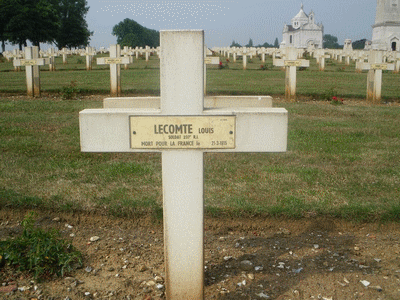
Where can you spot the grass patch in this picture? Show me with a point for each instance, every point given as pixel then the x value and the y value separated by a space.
pixel 42 253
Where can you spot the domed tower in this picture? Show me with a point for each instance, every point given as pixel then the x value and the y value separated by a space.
pixel 303 32
pixel 300 19
pixel 386 30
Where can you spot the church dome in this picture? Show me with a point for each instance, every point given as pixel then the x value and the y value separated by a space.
pixel 300 19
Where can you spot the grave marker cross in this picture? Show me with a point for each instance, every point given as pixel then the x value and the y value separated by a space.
pixel 183 120
pixel 115 60
pixel 374 66
pixel 290 62
pixel 32 63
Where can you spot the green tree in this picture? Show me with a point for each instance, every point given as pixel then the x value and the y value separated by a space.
pixel 132 34
pixel 360 44
pixel 250 44
pixel 5 13
pixel 265 45
pixel 36 21
pixel 234 44
pixel 276 43
pixel 330 42
pixel 73 30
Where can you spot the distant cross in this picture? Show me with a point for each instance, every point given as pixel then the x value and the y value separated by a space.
pixel 182 130
pixel 115 60
pixel 64 52
pixel 263 51
pixel 126 52
pixel 31 64
pixel 52 61
pixel 374 66
pixel 209 60
pixel 396 62
pixel 89 53
pixel 291 62
pixel 244 52
pixel 16 54
pixel 321 56
pixel 147 52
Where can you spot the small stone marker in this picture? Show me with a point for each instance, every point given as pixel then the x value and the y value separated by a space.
pixel 374 78
pixel 64 52
pixel 209 60
pixel 291 63
pixel 147 52
pixel 32 63
pixel 115 60
pixel 89 53
pixel 321 56
pixel 397 62
pixel 262 51
pixel 182 130
pixel 52 61
pixel 16 54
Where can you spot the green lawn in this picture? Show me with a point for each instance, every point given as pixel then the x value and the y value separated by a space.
pixel 342 160
pixel 144 78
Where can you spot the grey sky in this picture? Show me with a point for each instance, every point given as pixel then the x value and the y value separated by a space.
pixel 227 20
pixel 224 21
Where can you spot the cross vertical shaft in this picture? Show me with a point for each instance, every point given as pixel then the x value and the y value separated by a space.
pixel 182 83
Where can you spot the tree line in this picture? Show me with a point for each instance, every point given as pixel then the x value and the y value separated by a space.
pixel 329 42
pixel 251 44
pixel 132 34
pixel 44 21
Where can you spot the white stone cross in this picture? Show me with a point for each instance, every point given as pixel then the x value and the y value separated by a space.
pixel 64 52
pixel 290 62
pixel 262 51
pixel 396 58
pixel 126 52
pixel 52 61
pixel 32 63
pixel 115 60
pixel 321 56
pixel 209 60
pixel 182 130
pixel 89 53
pixel 16 54
pixel 374 78
pixel 147 52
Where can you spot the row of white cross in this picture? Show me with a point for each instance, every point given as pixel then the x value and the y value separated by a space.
pixel 88 52
pixel 290 61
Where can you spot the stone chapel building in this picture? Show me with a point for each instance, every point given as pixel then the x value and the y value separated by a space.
pixel 303 32
pixel 386 30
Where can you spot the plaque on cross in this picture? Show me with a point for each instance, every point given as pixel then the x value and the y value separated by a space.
pixel 115 60
pixel 374 66
pixel 291 62
pixel 32 63
pixel 183 118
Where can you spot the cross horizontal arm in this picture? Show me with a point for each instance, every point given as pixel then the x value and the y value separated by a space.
pixel 291 63
pixel 209 102
pixel 31 62
pixel 112 60
pixel 257 130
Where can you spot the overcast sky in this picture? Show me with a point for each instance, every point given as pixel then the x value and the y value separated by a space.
pixel 224 21
pixel 227 20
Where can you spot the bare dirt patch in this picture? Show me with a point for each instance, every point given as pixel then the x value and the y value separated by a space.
pixel 312 258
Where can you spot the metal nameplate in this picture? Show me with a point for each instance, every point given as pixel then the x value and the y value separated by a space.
pixel 29 62
pixel 182 132
pixel 379 66
pixel 113 61
pixel 292 63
